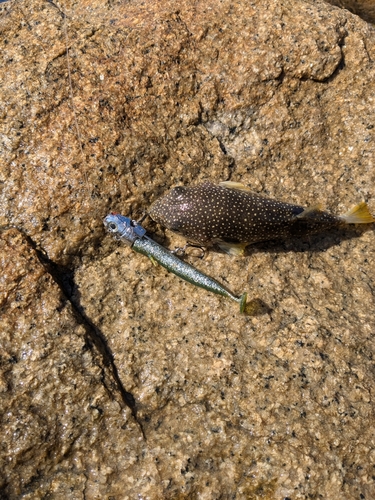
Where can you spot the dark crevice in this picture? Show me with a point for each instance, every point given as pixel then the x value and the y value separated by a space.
pixel 222 147
pixel 63 15
pixel 64 278
pixel 360 9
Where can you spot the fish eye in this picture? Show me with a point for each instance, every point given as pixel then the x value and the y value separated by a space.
pixel 112 226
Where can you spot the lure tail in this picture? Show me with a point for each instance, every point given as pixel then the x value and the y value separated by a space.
pixel 359 214
pixel 242 301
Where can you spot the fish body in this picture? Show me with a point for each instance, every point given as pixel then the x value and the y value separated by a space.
pixel 134 235
pixel 232 216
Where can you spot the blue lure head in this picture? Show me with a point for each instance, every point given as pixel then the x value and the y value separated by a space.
pixel 123 228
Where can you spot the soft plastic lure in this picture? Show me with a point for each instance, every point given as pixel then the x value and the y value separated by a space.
pixel 134 235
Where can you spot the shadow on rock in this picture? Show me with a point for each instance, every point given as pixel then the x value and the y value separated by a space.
pixel 257 307
pixel 314 243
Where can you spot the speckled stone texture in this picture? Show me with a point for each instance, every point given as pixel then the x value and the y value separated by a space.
pixel 363 8
pixel 117 379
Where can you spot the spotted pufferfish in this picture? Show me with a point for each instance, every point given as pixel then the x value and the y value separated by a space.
pixel 231 216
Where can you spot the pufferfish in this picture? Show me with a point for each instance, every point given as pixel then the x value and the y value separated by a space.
pixel 231 216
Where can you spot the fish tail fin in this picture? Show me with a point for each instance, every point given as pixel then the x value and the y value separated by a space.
pixel 359 214
pixel 242 301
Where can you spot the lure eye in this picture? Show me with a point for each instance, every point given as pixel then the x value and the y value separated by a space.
pixel 112 226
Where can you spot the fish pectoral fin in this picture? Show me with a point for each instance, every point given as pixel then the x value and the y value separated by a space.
pixel 152 260
pixel 235 185
pixel 310 212
pixel 359 214
pixel 232 248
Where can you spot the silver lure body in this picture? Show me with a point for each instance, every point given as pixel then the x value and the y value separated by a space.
pixel 134 235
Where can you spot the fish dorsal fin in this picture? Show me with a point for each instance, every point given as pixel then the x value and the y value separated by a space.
pixel 310 212
pixel 235 185
pixel 359 214
pixel 232 248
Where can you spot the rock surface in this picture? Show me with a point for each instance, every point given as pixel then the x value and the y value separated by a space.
pixel 363 8
pixel 118 380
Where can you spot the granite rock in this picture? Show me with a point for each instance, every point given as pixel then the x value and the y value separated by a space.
pixel 363 8
pixel 118 380
pixel 61 399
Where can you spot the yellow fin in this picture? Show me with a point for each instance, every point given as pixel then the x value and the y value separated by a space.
pixel 232 248
pixel 234 185
pixel 308 212
pixel 152 260
pixel 359 214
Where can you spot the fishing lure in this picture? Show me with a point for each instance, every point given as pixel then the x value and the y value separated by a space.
pixel 134 235
pixel 231 216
